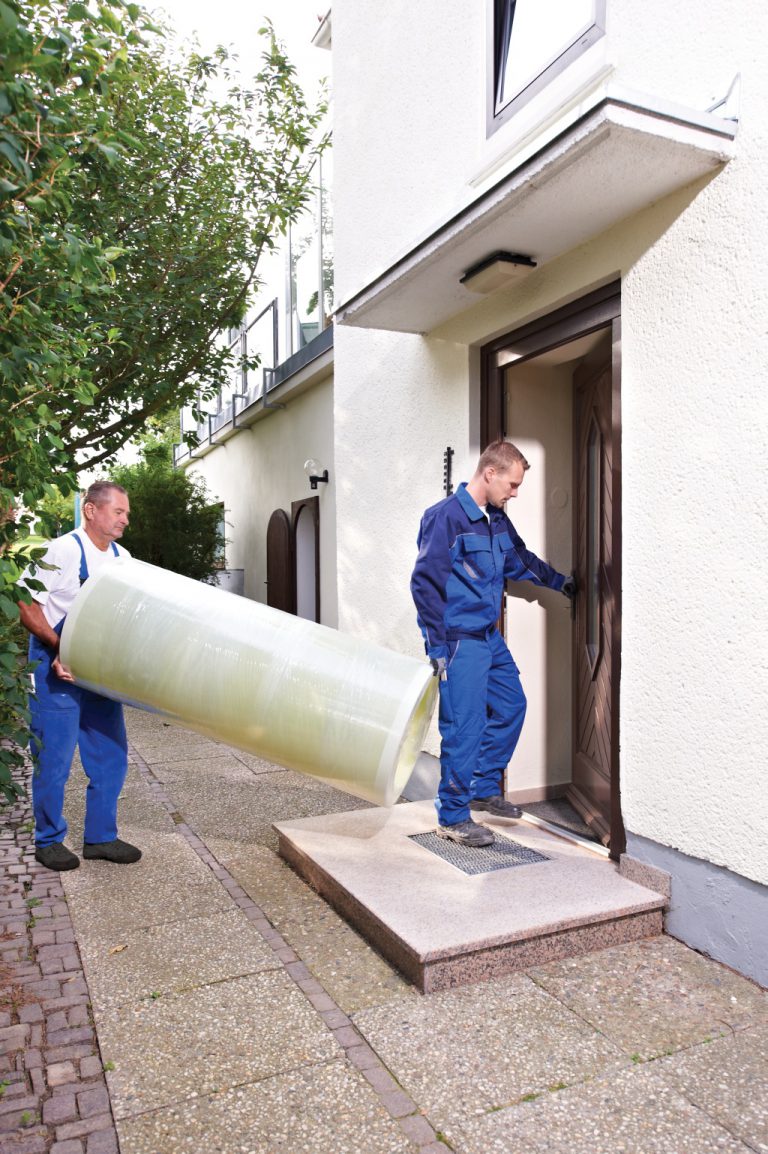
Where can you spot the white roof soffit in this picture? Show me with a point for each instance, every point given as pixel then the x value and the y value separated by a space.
pixel 619 158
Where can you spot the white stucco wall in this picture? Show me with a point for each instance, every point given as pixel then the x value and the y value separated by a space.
pixel 694 723
pixel 260 470
pixel 399 401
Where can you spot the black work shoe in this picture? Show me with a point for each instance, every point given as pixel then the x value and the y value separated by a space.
pixel 497 805
pixel 56 856
pixel 120 852
pixel 467 833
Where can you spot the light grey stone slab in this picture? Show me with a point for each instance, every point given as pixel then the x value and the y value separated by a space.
pixel 728 1080
pixel 143 721
pixel 140 811
pixel 353 973
pixel 175 745
pixel 254 763
pixel 170 958
pixel 245 811
pixel 654 997
pixel 209 1039
pixel 224 767
pixel 169 883
pixel 326 1109
pixel 631 1112
pixel 463 1052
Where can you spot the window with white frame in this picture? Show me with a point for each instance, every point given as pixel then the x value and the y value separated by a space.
pixel 534 40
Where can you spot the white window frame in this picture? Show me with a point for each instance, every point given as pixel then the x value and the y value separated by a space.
pixel 496 56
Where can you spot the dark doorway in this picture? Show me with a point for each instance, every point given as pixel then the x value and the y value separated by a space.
pixel 580 346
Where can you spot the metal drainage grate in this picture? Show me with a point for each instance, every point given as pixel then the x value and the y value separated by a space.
pixel 502 855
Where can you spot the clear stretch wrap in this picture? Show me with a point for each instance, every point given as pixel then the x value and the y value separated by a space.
pixel 289 690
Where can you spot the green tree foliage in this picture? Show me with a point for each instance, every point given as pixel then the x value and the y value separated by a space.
pixel 55 514
pixel 175 523
pixel 206 187
pixel 48 271
pixel 134 207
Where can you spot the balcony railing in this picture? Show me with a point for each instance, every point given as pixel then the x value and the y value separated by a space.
pixel 252 393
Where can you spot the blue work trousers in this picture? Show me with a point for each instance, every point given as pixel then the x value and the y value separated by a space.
pixel 482 709
pixel 63 717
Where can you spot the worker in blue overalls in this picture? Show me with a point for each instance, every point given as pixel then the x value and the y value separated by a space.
pixel 468 548
pixel 63 714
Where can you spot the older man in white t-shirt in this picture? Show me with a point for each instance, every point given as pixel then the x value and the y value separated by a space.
pixel 64 715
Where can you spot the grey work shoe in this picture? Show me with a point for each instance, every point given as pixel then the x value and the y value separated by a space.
pixel 120 852
pixel 467 833
pixel 56 856
pixel 497 806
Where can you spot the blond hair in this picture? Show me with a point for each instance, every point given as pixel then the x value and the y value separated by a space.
pixel 501 455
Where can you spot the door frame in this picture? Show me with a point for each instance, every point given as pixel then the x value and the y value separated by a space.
pixel 600 309
pixel 310 507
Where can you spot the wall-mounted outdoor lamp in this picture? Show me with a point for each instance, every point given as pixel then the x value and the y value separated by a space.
pixel 314 472
pixel 497 271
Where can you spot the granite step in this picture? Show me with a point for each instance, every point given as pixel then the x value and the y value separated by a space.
pixel 531 898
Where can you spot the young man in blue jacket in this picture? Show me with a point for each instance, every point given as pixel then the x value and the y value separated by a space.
pixel 468 548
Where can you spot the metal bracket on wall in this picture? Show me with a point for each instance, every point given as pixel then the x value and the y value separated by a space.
pixel 265 404
pixel 235 397
pixel 448 470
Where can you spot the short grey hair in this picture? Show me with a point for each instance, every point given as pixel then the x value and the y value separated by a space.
pixel 99 492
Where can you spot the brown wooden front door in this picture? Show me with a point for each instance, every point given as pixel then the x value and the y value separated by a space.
pixel 590 790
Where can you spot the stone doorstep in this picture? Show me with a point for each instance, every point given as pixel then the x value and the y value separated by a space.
pixel 442 928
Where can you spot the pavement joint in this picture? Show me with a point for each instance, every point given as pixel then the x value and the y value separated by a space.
pixel 389 1093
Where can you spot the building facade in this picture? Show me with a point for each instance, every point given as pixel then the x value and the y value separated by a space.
pixel 548 225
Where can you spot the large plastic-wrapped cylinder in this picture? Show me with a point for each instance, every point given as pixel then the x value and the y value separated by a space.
pixel 291 691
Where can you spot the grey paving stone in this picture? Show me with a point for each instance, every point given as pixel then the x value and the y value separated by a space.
pixel 631 1112
pixel 142 721
pixel 353 973
pixel 466 1051
pixel 173 744
pixel 325 1109
pixel 180 955
pixel 138 810
pixel 728 1080
pixel 170 882
pixel 655 996
pixel 246 809
pixel 221 765
pixel 211 1038
pixel 254 763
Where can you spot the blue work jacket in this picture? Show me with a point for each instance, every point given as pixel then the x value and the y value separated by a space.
pixel 464 559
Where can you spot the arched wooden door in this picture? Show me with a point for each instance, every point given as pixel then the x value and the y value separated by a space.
pixel 281 579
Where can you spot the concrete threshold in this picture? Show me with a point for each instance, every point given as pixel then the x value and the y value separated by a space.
pixel 442 927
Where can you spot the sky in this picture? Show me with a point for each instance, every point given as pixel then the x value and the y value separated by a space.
pixel 236 22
